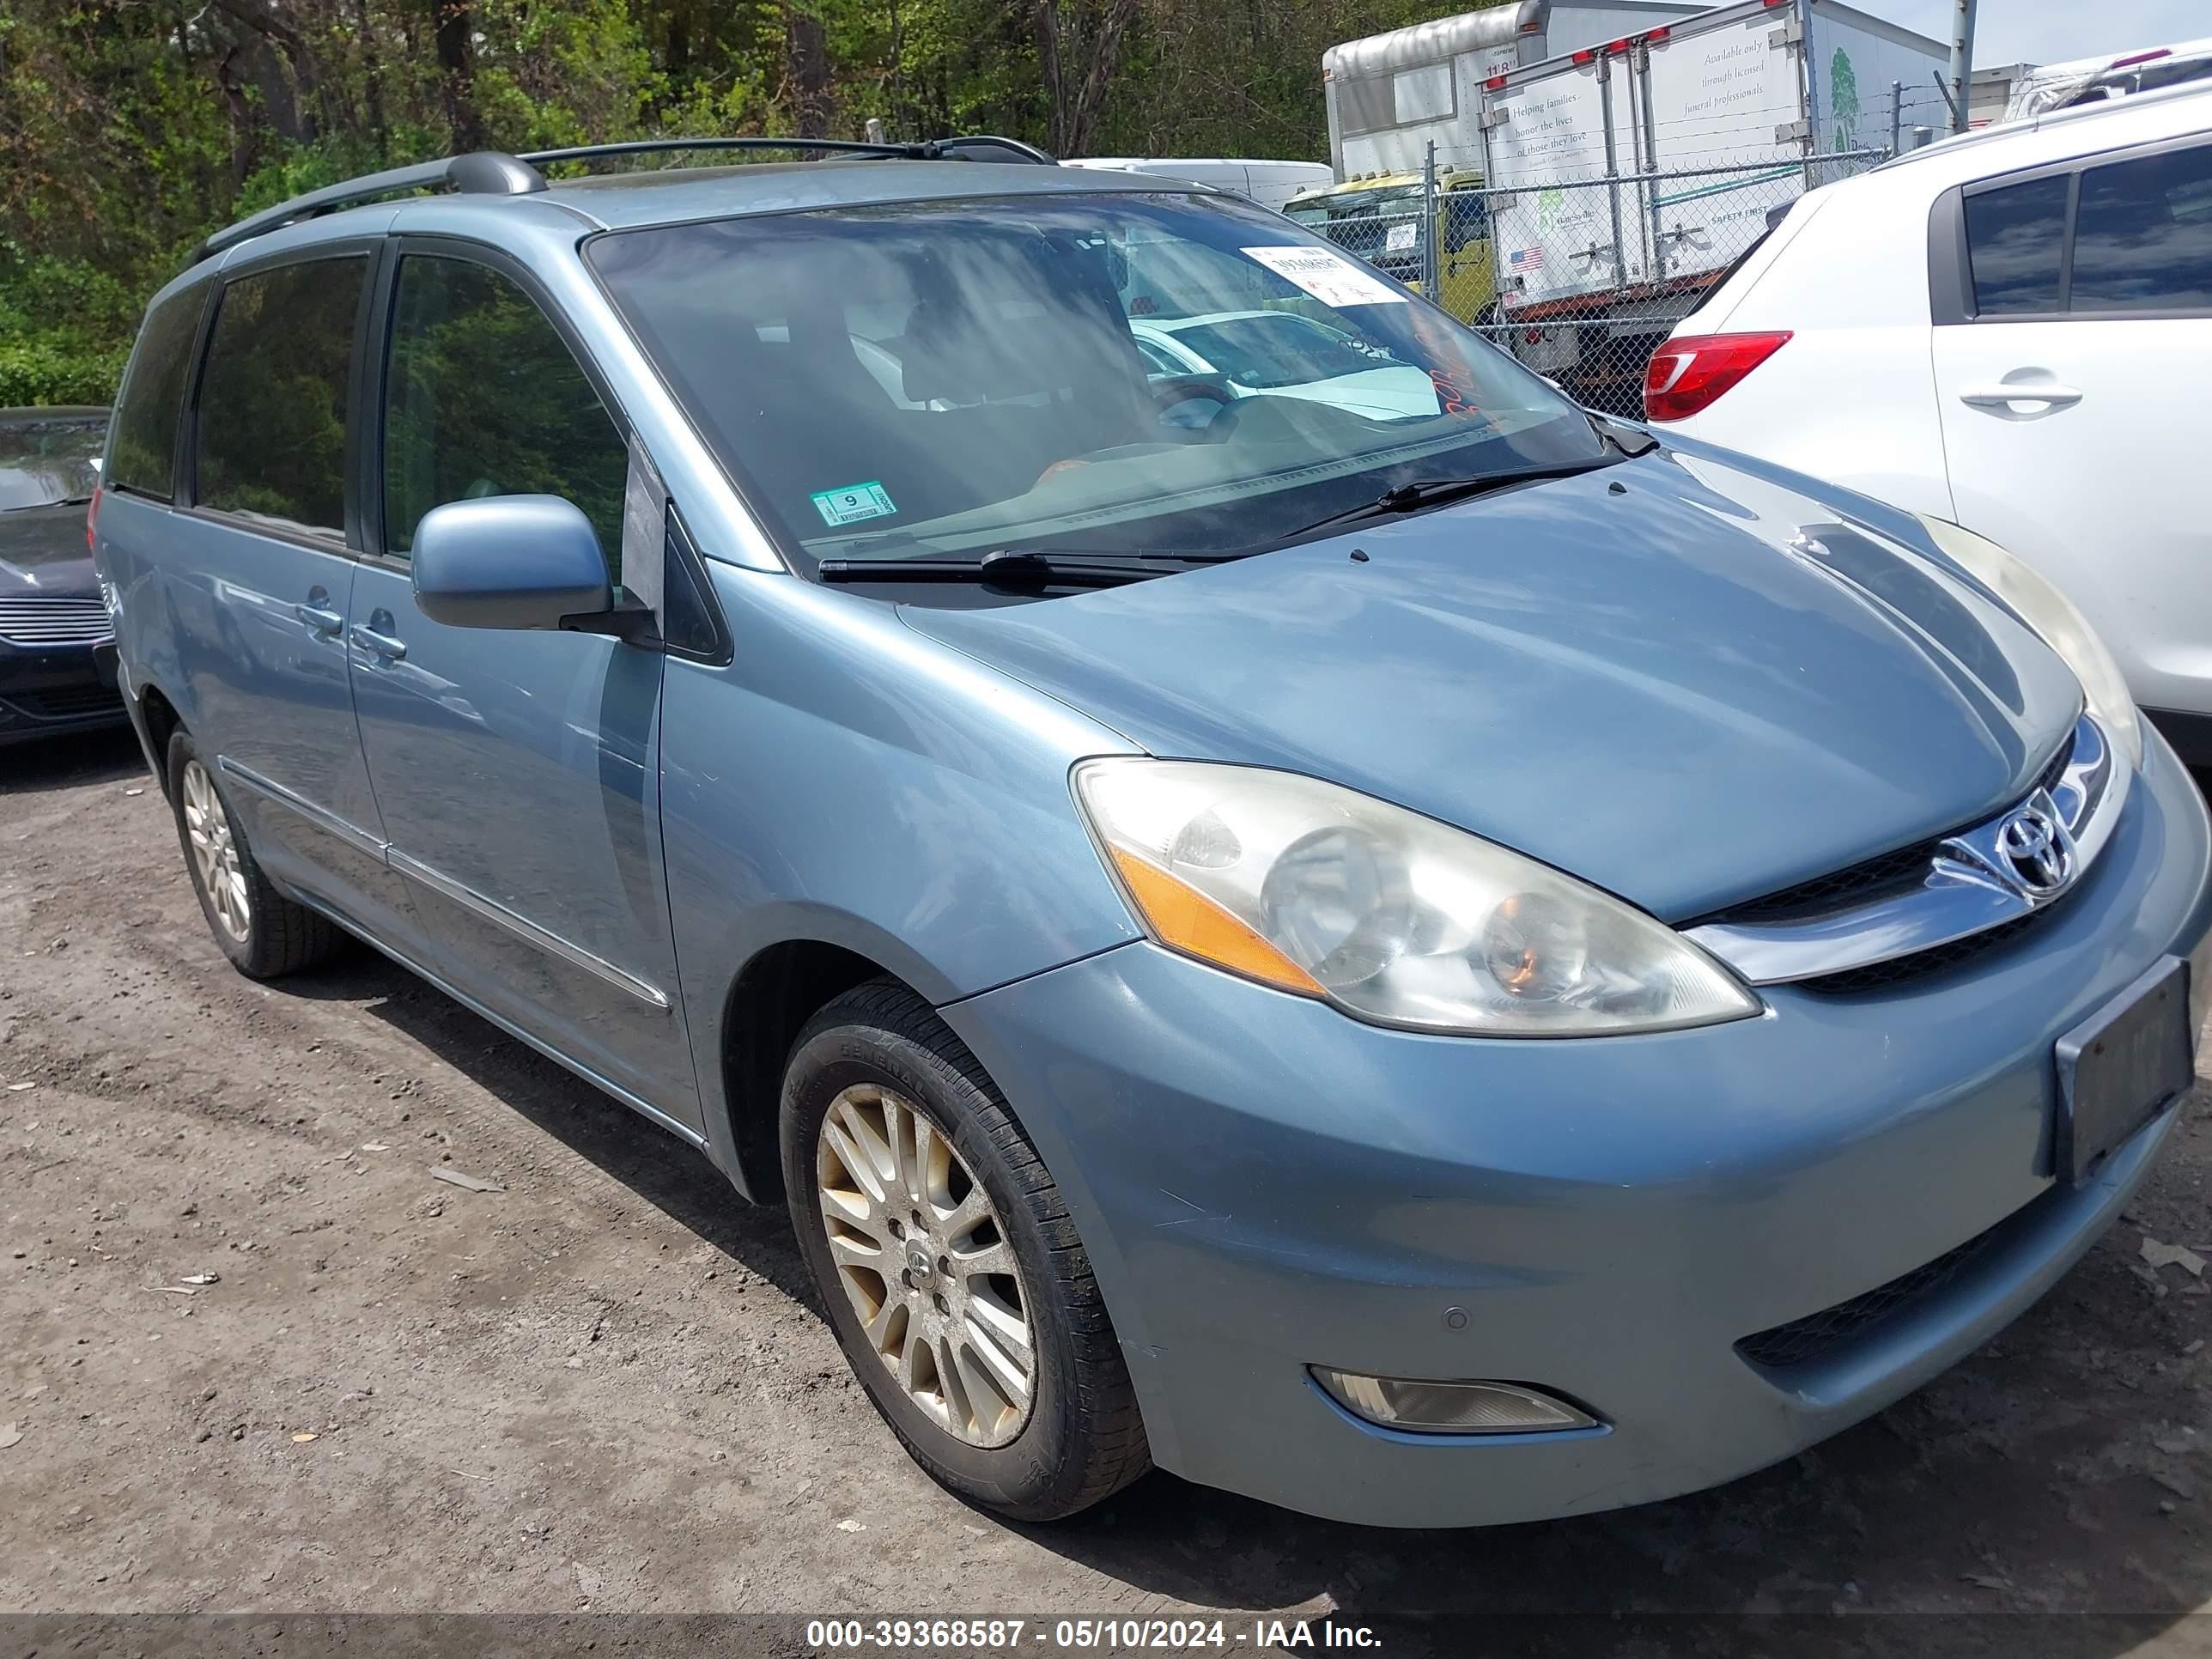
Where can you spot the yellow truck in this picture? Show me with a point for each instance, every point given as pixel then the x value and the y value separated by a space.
pixel 1378 218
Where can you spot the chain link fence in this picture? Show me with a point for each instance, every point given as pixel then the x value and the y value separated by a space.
pixel 1579 277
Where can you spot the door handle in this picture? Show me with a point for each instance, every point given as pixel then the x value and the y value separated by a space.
pixel 2005 395
pixel 381 645
pixel 321 620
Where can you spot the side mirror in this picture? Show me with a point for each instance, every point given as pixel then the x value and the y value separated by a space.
pixel 510 562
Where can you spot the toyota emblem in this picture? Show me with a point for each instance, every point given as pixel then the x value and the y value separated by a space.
pixel 2035 852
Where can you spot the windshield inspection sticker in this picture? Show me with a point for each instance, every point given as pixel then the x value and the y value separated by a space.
pixel 1329 277
pixel 853 503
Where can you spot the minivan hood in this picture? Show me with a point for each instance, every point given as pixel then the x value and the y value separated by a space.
pixel 1704 688
pixel 42 550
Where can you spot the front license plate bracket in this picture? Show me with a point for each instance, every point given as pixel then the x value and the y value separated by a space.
pixel 2121 1067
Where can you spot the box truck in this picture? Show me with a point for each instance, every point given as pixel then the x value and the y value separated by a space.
pixel 1391 96
pixel 1625 177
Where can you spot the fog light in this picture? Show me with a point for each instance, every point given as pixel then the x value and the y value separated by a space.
pixel 1449 1407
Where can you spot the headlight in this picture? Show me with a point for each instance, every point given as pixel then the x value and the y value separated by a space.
pixel 2063 628
pixel 1392 916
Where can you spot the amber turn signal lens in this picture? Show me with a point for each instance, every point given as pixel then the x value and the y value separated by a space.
pixel 1186 919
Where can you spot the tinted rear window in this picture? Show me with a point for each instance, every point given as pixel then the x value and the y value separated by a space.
pixel 2142 234
pixel 145 457
pixel 2014 238
pixel 272 405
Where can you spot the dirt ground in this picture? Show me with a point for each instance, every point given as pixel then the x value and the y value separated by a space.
pixel 604 1388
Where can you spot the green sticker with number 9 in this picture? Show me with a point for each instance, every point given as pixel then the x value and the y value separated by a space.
pixel 853 503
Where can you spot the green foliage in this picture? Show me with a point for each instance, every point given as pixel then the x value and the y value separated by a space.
pixel 34 371
pixel 128 131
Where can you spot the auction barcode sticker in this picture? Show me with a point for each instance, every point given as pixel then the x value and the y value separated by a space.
pixel 1327 276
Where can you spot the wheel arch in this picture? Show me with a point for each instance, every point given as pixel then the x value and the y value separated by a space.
pixel 780 987
pixel 156 720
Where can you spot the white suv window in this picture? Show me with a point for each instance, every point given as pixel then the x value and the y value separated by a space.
pixel 2015 240
pixel 2143 233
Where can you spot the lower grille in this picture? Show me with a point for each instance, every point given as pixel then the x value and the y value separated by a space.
pixel 1817 1336
pixel 41 619
pixel 66 702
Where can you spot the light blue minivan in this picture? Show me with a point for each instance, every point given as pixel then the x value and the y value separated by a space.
pixel 1431 959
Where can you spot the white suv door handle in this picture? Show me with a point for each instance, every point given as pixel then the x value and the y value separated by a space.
pixel 2050 393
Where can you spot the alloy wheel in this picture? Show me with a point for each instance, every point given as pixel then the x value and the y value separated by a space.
pixel 215 853
pixel 923 1258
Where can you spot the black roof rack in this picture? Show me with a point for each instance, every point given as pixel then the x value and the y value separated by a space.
pixel 982 147
pixel 493 172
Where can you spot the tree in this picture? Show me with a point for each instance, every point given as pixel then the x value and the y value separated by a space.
pixel 806 56
pixel 1844 99
pixel 1079 46
pixel 455 32
pixel 128 131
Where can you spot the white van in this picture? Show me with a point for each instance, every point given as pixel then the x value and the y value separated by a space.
pixel 1270 184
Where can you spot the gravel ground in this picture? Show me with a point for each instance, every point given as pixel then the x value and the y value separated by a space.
pixel 604 1388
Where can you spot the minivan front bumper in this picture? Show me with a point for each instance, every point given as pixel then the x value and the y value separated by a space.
pixel 1264 1185
pixel 50 690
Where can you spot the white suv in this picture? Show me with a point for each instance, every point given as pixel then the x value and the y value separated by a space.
pixel 2011 331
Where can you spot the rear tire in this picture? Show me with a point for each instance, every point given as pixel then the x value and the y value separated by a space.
pixel 264 933
pixel 948 1265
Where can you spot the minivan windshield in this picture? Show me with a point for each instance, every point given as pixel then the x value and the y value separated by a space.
pixel 1108 372
pixel 47 460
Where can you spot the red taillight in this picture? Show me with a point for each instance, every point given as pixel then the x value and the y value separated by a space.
pixel 1687 374
pixel 1585 56
pixel 91 518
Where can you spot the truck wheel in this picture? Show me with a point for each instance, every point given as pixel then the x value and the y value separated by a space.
pixel 264 933
pixel 948 1265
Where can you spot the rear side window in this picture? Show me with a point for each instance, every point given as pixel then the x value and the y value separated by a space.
pixel 2015 240
pixel 484 398
pixel 2142 234
pixel 145 447
pixel 272 404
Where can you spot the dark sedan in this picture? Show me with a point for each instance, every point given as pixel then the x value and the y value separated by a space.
pixel 57 656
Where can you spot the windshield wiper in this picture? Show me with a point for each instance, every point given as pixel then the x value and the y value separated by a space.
pixel 1023 568
pixel 1421 494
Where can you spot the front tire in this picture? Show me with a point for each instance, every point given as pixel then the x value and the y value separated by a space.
pixel 948 1265
pixel 264 933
